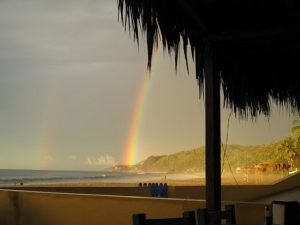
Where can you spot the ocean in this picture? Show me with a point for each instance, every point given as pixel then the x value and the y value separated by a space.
pixel 15 177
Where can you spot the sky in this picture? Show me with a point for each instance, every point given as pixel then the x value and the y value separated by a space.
pixel 75 94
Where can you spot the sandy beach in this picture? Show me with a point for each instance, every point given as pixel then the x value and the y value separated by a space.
pixel 172 180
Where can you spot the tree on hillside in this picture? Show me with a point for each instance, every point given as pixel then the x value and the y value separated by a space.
pixel 295 133
pixel 288 151
pixel 285 152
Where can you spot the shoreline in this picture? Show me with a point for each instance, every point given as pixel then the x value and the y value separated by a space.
pixel 170 180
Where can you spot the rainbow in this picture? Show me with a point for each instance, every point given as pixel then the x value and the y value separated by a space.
pixel 131 148
pixel 45 144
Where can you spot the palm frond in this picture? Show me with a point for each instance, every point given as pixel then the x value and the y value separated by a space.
pixel 256 45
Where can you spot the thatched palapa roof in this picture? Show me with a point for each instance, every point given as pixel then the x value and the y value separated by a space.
pixel 256 44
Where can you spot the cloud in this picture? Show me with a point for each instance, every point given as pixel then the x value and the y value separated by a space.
pixel 106 160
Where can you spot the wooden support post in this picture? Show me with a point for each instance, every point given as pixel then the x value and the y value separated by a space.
pixel 212 133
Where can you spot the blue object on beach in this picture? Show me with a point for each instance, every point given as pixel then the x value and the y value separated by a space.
pixel 156 190
pixel 160 190
pixel 152 191
pixel 165 190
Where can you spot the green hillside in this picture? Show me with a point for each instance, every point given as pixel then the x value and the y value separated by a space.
pixel 184 161
pixel 194 160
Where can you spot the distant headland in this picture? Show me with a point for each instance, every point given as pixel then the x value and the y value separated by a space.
pixel 234 157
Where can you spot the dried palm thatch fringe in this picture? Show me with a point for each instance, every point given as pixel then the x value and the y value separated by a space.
pixel 256 45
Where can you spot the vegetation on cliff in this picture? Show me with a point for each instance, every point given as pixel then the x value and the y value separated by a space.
pixel 286 151
pixel 194 160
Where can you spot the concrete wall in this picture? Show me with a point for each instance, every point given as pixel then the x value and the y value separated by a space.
pixel 241 192
pixel 37 208
pixel 229 192
pixel 124 191
pixel 292 195
pixel 233 193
